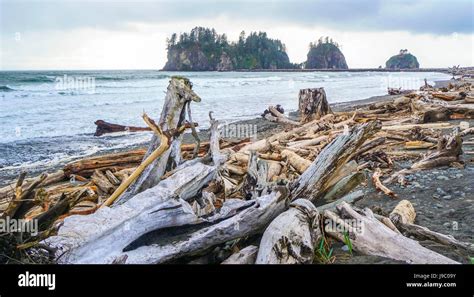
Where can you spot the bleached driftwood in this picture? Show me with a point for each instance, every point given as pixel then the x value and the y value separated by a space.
pixel 217 157
pixel 344 186
pixel 369 236
pixel 380 186
pixel 403 216
pixel 350 198
pixel 101 236
pixel 423 233
pixel 243 218
pixel 278 117
pixel 178 95
pixel 255 181
pixel 448 151
pixel 403 213
pixel 263 145
pixel 299 163
pixel 291 238
pixel 330 160
pixel 246 255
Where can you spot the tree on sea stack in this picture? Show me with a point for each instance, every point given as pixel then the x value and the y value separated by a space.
pixel 312 104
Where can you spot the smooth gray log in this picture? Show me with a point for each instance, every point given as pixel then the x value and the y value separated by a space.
pixel 292 237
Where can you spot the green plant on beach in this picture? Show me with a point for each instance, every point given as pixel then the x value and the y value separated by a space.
pixel 324 253
pixel 347 241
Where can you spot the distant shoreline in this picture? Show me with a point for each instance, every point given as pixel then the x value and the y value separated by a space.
pixel 441 70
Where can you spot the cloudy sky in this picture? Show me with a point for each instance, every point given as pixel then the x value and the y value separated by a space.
pixel 88 34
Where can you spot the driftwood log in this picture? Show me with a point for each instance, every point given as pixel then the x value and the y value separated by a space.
pixel 369 236
pixel 104 127
pixel 292 237
pixel 403 216
pixel 109 231
pixel 312 104
pixel 331 160
pixel 101 236
pixel 178 95
pixel 247 255
pixel 115 161
pixel 273 114
pixel 449 150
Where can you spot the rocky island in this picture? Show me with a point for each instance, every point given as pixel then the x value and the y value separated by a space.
pixel 325 54
pixel 404 60
pixel 204 50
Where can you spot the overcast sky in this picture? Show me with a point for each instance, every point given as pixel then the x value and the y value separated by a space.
pixel 72 34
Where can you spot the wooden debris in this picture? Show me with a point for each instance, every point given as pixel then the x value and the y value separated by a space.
pixel 247 255
pixel 177 201
pixel 299 163
pixel 312 104
pixel 291 238
pixel 371 237
pixel 381 187
pixel 403 213
pixel 274 115
pixel 331 160
pixel 117 161
pixel 104 127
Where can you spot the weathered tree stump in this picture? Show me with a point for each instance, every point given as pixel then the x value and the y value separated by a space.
pixel 312 104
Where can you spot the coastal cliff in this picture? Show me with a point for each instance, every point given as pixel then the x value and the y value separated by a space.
pixel 204 50
pixel 403 60
pixel 325 55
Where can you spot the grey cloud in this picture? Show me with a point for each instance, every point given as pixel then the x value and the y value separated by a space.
pixel 419 16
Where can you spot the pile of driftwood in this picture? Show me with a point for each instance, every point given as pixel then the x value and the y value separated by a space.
pixel 274 200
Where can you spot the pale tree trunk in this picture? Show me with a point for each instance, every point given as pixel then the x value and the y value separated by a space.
pixel 178 95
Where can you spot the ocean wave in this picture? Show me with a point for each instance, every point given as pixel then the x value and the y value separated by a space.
pixel 41 78
pixel 130 77
pixel 6 89
pixel 125 87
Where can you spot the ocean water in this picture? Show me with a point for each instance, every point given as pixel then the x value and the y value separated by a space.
pixel 47 117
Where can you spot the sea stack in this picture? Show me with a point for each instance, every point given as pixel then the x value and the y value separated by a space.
pixel 204 50
pixel 325 54
pixel 404 60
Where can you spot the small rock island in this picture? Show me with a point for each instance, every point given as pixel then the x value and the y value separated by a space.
pixel 404 60
pixel 325 54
